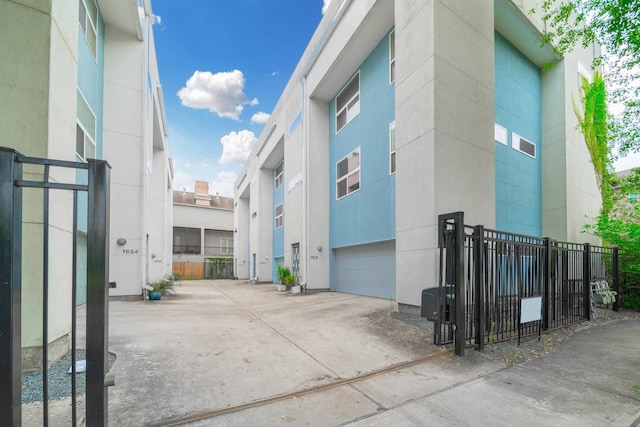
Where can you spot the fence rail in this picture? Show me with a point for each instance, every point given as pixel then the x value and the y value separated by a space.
pixel 487 275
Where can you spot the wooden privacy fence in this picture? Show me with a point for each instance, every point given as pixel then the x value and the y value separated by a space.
pixel 190 270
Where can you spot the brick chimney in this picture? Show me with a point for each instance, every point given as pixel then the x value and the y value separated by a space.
pixel 202 193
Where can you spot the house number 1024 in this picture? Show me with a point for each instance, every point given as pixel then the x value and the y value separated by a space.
pixel 130 251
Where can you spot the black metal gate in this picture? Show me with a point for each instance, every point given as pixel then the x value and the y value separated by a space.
pixel 486 275
pixel 16 173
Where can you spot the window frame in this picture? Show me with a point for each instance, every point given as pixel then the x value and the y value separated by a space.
pixel 516 146
pixel 348 174
pixel 87 135
pixel 278 217
pixel 349 105
pixel 279 176
pixel 392 148
pixel 89 24
pixel 392 57
pixel 226 245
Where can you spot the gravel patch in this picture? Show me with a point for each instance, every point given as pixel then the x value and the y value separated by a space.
pixel 59 380
pixel 530 347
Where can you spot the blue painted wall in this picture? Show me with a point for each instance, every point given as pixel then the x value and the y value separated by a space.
pixel 367 215
pixel 518 109
pixel 278 233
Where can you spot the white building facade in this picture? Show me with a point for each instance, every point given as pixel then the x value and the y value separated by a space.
pixel 399 111
pixel 79 80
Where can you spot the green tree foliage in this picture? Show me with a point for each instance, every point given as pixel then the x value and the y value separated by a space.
pixel 621 227
pixel 593 123
pixel 614 25
pixel 619 220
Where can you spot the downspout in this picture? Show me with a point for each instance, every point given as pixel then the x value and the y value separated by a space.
pixel 302 78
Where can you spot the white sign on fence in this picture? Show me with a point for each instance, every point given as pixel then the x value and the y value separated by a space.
pixel 530 309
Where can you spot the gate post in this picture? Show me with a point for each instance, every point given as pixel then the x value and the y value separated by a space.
pixel 97 292
pixel 478 261
pixel 458 282
pixel 546 282
pixel 616 277
pixel 586 276
pixel 10 289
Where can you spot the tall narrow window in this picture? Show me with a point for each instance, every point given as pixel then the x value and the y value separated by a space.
pixel 348 174
pixel 392 147
pixel 348 103
pixel 85 129
pixel 88 20
pixel 392 57
pixel 279 216
pixel 226 246
pixel 279 176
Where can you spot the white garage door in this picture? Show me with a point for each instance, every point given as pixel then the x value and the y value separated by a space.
pixel 366 269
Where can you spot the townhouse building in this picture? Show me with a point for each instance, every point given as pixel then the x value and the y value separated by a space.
pixel 399 111
pixel 79 80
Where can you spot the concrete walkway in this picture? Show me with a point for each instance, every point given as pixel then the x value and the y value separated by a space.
pixel 231 353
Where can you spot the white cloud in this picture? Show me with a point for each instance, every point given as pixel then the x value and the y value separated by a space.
pixel 274 73
pixel 221 93
pixel 325 5
pixel 260 117
pixel 237 146
pixel 187 165
pixel 183 181
pixel 223 185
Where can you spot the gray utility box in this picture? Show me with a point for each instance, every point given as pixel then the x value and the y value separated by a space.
pixel 432 298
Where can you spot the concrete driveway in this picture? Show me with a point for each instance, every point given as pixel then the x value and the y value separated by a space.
pixel 231 353
pixel 220 344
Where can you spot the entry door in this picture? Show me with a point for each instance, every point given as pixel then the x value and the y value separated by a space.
pixel 295 260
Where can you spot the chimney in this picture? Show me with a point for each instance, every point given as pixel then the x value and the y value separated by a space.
pixel 202 193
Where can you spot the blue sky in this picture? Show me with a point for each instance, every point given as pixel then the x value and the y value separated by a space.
pixel 223 65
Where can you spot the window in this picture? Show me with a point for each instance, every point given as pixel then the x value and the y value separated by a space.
pixel 279 174
pixel 633 198
pixel 522 145
pixel 226 246
pixel 186 240
pixel 392 147
pixel 279 216
pixel 348 174
pixel 392 57
pixel 85 130
pixel 88 20
pixel 348 103
pixel 500 134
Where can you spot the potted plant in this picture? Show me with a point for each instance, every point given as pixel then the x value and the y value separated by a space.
pixel 283 274
pixel 293 282
pixel 159 288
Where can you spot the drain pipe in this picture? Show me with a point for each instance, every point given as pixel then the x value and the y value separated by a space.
pixel 302 79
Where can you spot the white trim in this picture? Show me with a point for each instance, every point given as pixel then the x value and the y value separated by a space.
pixel 393 166
pixel 278 176
pixel 515 144
pixel 392 61
pixel 277 216
pixel 346 176
pixel 351 107
pixel 500 134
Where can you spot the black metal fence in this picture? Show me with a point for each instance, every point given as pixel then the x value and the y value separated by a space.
pixel 488 276
pixel 13 179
